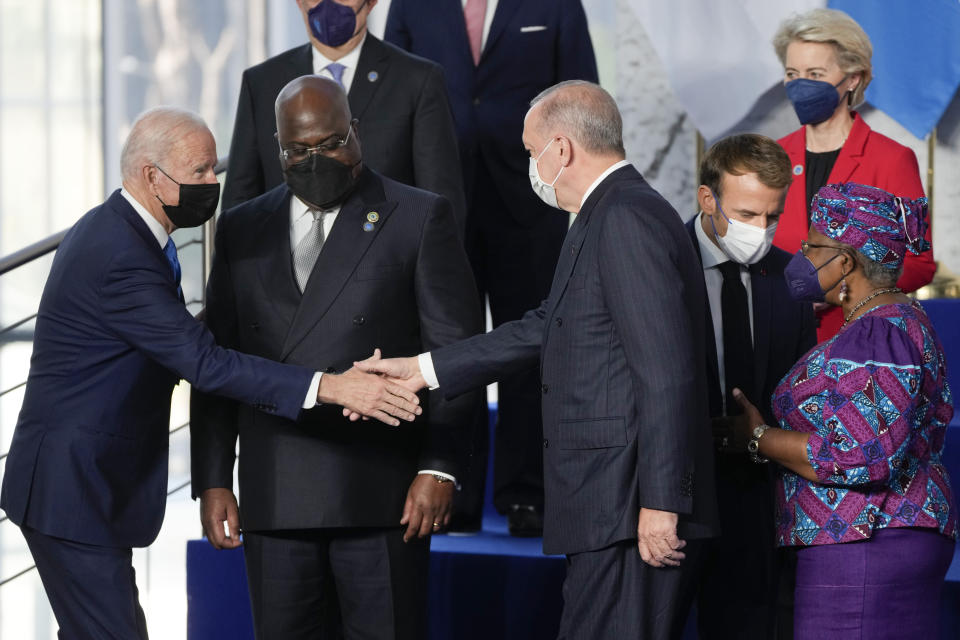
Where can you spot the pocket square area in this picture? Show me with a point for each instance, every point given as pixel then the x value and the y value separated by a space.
pixel 532 28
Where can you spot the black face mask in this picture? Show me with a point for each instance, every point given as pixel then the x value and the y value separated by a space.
pixel 198 203
pixel 321 181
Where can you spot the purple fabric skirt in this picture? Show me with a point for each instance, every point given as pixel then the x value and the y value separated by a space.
pixel 886 587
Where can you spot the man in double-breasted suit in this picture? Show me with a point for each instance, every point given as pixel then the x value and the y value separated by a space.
pixel 320 271
pixel 399 100
pixel 86 477
pixel 755 332
pixel 619 339
pixel 497 55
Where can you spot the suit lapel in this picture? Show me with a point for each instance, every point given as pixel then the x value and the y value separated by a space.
pixel 342 251
pixel 850 153
pixel 372 68
pixel 276 269
pixel 505 11
pixel 760 292
pixel 713 368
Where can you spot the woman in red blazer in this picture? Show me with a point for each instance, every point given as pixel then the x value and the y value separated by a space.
pixel 826 57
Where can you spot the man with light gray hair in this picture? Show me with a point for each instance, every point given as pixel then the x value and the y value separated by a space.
pixel 628 468
pixel 86 476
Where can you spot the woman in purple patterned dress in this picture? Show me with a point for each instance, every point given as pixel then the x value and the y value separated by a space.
pixel 862 418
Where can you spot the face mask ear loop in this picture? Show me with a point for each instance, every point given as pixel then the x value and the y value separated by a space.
pixel 842 275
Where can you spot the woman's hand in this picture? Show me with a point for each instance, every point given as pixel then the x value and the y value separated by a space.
pixel 743 425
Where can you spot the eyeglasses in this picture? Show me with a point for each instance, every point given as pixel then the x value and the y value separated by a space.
pixel 806 246
pixel 296 155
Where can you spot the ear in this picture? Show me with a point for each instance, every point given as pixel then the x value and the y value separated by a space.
pixel 149 175
pixel 705 199
pixel 566 150
pixel 856 77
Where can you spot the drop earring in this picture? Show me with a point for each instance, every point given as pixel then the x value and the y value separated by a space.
pixel 844 291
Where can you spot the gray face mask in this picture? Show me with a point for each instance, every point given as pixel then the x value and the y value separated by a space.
pixel 544 191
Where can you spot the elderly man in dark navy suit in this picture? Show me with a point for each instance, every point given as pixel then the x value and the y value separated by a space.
pixel 497 55
pixel 619 341
pixel 86 477
pixel 755 333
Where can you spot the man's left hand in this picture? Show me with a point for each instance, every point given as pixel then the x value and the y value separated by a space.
pixel 427 508
pixel 657 538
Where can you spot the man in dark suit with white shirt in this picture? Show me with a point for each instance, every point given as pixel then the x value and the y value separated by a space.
pixel 497 55
pixel 399 99
pixel 320 271
pixel 86 476
pixel 755 333
pixel 619 340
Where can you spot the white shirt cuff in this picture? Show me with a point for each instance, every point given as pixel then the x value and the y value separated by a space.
pixel 425 360
pixel 424 472
pixel 311 400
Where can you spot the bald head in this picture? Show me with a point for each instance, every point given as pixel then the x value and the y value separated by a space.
pixel 582 111
pixel 310 101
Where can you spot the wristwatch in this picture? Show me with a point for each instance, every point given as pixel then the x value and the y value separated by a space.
pixel 753 447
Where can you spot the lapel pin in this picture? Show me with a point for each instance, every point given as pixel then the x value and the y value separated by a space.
pixel 368 226
pixel 373 76
pixel 373 216
pixel 797 169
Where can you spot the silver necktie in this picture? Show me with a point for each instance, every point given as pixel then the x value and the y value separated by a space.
pixel 308 249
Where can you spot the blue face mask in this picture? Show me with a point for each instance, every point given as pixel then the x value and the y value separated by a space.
pixel 332 23
pixel 813 100
pixel 802 281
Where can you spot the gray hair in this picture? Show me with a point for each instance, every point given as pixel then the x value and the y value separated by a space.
pixel 155 133
pixel 834 27
pixel 877 274
pixel 583 111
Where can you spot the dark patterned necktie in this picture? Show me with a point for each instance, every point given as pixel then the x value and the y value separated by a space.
pixel 170 252
pixel 737 341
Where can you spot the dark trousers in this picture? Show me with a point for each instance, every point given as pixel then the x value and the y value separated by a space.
pixel 734 579
pixel 612 594
pixel 373 582
pixel 513 265
pixel 92 590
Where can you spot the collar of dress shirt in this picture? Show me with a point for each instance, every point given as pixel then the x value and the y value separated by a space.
pixel 349 61
pixel 710 254
pixel 301 219
pixel 152 223
pixel 601 178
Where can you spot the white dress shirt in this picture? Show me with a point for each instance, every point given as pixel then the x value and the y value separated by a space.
pixel 349 61
pixel 712 256
pixel 487 20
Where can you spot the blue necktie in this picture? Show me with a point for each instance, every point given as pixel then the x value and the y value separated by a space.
pixel 336 70
pixel 170 252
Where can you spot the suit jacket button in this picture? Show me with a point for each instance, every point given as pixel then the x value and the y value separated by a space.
pixel 358 320
pixel 559 322
pixel 476 102
pixel 545 388
pixel 546 443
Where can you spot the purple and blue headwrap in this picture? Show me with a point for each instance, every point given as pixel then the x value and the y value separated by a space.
pixel 876 223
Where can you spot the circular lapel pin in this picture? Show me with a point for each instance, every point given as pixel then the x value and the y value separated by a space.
pixel 373 76
pixel 368 226
pixel 373 216
pixel 797 169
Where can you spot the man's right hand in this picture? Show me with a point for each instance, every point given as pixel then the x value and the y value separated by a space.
pixel 216 507
pixel 368 394
pixel 403 371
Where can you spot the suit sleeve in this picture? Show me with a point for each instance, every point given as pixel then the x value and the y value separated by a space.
pixel 436 159
pixel 140 305
pixel 904 180
pixel 644 289
pixel 213 419
pixel 575 57
pixel 475 362
pixel 244 179
pixel 449 311
pixel 396 31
